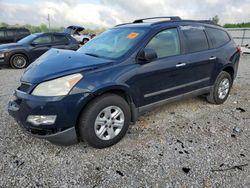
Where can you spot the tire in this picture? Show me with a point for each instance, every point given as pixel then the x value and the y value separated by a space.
pixel 18 61
pixel 84 41
pixel 216 95
pixel 98 135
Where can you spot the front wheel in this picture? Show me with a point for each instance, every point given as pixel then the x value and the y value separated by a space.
pixel 18 61
pixel 221 88
pixel 105 121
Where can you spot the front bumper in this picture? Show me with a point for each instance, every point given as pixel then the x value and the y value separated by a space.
pixel 3 61
pixel 67 108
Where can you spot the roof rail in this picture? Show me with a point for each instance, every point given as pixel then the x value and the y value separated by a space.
pixel 172 18
pixel 203 21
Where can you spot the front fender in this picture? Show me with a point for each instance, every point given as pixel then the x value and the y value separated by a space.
pixel 17 51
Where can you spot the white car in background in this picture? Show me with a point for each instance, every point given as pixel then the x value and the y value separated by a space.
pixel 246 49
pixel 74 31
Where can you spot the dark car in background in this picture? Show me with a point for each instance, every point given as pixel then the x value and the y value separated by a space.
pixel 19 55
pixel 9 35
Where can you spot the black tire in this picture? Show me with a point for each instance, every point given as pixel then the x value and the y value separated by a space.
pixel 84 41
pixel 213 96
pixel 18 61
pixel 90 114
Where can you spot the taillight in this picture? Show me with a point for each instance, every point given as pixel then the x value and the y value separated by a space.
pixel 238 49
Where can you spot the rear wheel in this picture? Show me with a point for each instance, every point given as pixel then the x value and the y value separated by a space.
pixel 105 121
pixel 84 41
pixel 221 88
pixel 18 61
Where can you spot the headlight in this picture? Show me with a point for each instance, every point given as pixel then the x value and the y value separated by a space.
pixel 1 55
pixel 57 87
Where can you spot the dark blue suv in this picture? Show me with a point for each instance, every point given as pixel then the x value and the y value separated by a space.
pixel 95 93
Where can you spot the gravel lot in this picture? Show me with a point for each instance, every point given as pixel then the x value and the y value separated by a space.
pixel 189 143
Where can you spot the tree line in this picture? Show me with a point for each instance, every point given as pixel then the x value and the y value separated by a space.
pixel 44 28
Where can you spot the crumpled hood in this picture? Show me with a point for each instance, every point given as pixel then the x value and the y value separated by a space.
pixel 56 63
pixel 10 46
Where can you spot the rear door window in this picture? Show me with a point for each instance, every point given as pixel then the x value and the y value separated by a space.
pixel 166 43
pixel 60 39
pixel 10 33
pixel 217 37
pixel 195 38
pixel 43 40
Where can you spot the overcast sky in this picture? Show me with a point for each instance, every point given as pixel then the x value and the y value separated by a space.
pixel 107 13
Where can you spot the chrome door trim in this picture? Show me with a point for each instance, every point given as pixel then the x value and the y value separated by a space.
pixel 176 87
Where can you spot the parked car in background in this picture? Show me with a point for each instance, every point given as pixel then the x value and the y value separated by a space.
pixel 246 49
pixel 19 55
pixel 95 93
pixel 9 35
pixel 74 31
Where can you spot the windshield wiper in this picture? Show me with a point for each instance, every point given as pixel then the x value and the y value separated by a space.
pixel 90 54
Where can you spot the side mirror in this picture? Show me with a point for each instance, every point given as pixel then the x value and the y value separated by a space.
pixel 147 54
pixel 33 44
pixel 247 45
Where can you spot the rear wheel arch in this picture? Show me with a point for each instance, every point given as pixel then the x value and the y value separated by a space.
pixel 229 70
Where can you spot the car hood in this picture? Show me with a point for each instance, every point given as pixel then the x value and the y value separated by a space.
pixel 56 63
pixel 10 46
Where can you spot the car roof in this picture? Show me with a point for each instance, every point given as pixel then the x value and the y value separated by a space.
pixel 50 33
pixel 167 21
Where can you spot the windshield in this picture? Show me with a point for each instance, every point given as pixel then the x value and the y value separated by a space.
pixel 27 39
pixel 113 43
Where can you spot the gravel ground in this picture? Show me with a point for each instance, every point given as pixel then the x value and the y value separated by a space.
pixel 189 143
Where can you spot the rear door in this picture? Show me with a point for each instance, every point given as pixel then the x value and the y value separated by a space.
pixel 60 41
pixel 200 61
pixel 221 48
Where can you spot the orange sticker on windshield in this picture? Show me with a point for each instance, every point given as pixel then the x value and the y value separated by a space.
pixel 132 35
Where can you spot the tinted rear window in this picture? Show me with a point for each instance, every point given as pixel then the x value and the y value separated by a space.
pixel 10 33
pixel 23 32
pixel 60 39
pixel 217 37
pixel 195 38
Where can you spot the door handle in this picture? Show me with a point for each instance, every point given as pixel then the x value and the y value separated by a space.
pixel 212 58
pixel 180 65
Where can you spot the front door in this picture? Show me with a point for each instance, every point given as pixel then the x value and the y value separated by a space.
pixel 40 45
pixel 159 79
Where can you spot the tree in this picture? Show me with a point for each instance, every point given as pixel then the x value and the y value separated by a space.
pixel 3 24
pixel 215 19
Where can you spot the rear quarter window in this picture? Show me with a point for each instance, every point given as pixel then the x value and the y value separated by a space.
pixel 195 38
pixel 217 37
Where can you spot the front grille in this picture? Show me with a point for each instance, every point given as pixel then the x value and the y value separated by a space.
pixel 43 132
